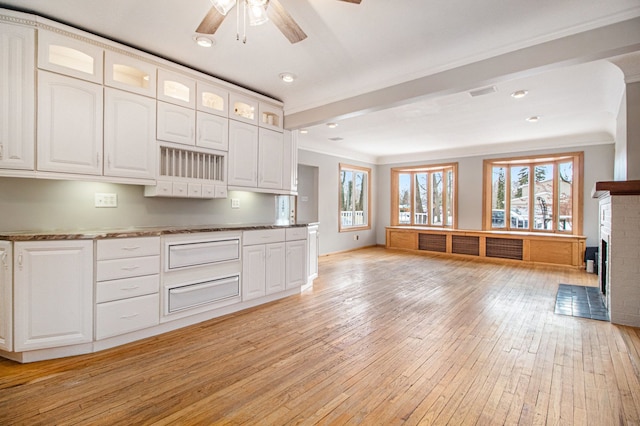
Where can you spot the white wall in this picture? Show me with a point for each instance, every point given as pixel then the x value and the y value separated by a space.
pixel 598 166
pixel 331 240
pixel 42 205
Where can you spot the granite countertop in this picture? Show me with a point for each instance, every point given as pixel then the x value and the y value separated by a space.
pixel 94 234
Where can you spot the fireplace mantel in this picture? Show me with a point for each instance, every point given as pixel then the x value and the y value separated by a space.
pixel 620 187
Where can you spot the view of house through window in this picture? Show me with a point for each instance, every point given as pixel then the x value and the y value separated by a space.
pixel 534 193
pixel 355 196
pixel 424 195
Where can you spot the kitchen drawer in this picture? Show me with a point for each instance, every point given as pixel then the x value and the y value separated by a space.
pixel 193 295
pixel 299 233
pixel 197 253
pixel 108 291
pixel 123 316
pixel 120 248
pixel 127 268
pixel 263 236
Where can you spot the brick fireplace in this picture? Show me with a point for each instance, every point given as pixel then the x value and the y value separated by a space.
pixel 619 251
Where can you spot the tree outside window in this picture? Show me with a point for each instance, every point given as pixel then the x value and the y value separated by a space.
pixel 354 198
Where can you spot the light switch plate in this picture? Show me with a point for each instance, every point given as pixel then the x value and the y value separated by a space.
pixel 235 203
pixel 106 199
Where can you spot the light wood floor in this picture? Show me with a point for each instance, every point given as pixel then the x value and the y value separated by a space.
pixel 383 338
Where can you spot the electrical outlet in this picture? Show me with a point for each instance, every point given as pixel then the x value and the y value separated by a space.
pixel 235 203
pixel 106 200
pixel 356 237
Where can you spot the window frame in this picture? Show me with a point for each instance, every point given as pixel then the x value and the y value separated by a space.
pixel 428 168
pixel 368 213
pixel 532 161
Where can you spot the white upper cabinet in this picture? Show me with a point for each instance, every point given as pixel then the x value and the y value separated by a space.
pixel 243 109
pixel 69 125
pixel 176 124
pixel 243 154
pixel 270 159
pixel 270 116
pixel 65 55
pixel 130 74
pixel 176 89
pixel 17 108
pixel 212 131
pixel 129 135
pixel 212 99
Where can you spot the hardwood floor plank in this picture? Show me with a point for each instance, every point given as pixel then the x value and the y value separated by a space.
pixel 383 337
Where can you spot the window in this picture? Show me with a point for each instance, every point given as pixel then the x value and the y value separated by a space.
pixel 542 193
pixel 424 195
pixel 355 198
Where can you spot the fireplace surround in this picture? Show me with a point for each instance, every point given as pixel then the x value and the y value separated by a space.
pixel 619 251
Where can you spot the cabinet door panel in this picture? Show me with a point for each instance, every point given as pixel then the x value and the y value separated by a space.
pixel 275 275
pixel 6 297
pixel 213 131
pixel 176 124
pixel 296 263
pixel 270 159
pixel 53 289
pixel 129 135
pixel 17 109
pixel 69 125
pixel 243 154
pixel 253 272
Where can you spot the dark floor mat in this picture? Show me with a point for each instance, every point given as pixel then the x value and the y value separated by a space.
pixel 581 301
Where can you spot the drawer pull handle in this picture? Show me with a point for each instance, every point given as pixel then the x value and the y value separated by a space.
pixel 133 287
pixel 131 248
pixel 130 268
pixel 131 316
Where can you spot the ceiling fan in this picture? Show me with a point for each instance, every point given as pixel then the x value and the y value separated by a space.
pixel 258 12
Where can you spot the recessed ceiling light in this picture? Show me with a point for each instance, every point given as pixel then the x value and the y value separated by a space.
pixel 203 41
pixel 332 125
pixel 519 94
pixel 304 131
pixel 533 119
pixel 287 77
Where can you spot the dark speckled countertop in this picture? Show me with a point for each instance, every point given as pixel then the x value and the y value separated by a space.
pixel 94 234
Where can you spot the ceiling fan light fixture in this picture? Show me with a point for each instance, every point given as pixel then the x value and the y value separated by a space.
pixel 223 6
pixel 287 77
pixel 257 12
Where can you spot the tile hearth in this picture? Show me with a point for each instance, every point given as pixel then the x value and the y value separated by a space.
pixel 580 301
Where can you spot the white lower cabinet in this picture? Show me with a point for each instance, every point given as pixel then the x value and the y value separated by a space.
pixel 128 285
pixel 253 272
pixel 53 291
pixel 296 263
pixel 6 296
pixel 313 241
pixel 263 263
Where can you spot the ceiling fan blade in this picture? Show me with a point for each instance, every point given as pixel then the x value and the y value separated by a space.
pixel 285 23
pixel 352 1
pixel 211 22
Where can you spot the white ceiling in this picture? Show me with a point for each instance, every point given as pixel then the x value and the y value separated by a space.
pixel 354 52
